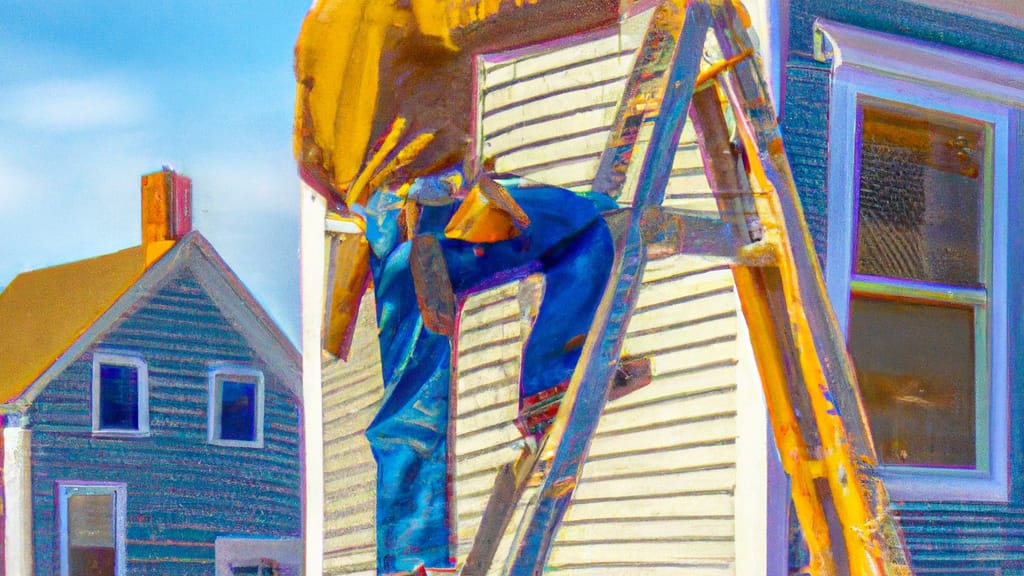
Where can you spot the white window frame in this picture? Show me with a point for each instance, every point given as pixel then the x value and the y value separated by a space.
pixel 216 376
pixel 120 494
pixel 142 371
pixel 891 68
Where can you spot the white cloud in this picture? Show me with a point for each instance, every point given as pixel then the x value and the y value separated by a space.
pixel 16 182
pixel 73 105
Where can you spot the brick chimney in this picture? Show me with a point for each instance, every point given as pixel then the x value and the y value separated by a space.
pixel 166 206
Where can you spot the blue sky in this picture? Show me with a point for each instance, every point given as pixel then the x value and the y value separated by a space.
pixel 95 93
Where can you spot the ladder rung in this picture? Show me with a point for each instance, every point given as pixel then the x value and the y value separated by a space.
pixel 717 68
pixel 817 468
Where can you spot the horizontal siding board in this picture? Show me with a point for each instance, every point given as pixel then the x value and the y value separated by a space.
pixel 639 529
pixel 620 568
pixel 683 551
pixel 487 398
pixel 606 68
pixel 946 538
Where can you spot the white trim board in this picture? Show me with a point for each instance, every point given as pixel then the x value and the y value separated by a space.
pixel 982 77
pixel 118 358
pixel 216 378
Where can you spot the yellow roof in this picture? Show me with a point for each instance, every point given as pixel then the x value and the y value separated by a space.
pixel 44 312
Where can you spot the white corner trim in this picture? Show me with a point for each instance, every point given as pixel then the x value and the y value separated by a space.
pixel 100 358
pixel 313 211
pixel 982 77
pixel 770 23
pixel 761 524
pixel 215 379
pixel 17 479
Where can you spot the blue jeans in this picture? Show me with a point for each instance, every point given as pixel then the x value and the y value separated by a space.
pixel 568 241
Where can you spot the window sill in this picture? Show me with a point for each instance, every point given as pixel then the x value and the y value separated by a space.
pixel 943 485
pixel 120 433
pixel 236 443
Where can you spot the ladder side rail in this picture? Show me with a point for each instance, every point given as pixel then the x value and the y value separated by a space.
pixel 873 538
pixel 722 167
pixel 652 62
pixel 578 415
pixel 754 97
pixel 873 541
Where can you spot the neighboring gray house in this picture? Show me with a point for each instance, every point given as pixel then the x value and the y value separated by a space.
pixel 151 410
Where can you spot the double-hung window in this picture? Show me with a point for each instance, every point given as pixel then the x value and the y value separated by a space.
pixel 120 394
pixel 236 407
pixel 924 154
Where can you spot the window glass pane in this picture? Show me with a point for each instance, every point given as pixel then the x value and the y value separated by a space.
pixel 915 367
pixel 119 397
pixel 91 550
pixel 238 411
pixel 921 194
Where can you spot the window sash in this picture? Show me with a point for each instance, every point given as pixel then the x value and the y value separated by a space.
pixel 247 391
pixel 916 291
pixel 101 359
pixel 118 493
pixel 119 397
pixel 215 408
pixel 982 370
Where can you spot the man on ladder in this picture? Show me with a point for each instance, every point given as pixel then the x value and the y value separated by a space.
pixel 437 229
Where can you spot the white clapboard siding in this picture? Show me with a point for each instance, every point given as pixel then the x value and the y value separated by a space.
pixel 669 446
pixel 351 395
pixel 661 468
pixel 656 494
pixel 546 116
pixel 489 348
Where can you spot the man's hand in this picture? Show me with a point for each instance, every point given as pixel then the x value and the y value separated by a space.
pixel 436 190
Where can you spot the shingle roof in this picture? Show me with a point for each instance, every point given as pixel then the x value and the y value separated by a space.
pixel 43 312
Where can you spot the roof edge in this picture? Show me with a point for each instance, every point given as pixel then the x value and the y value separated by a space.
pixel 251 320
pixel 227 291
pixel 161 258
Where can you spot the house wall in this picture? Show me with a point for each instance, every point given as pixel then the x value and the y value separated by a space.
pixel 942 537
pixel 805 110
pixel 182 493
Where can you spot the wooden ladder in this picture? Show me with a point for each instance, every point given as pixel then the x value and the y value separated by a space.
pixel 809 383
